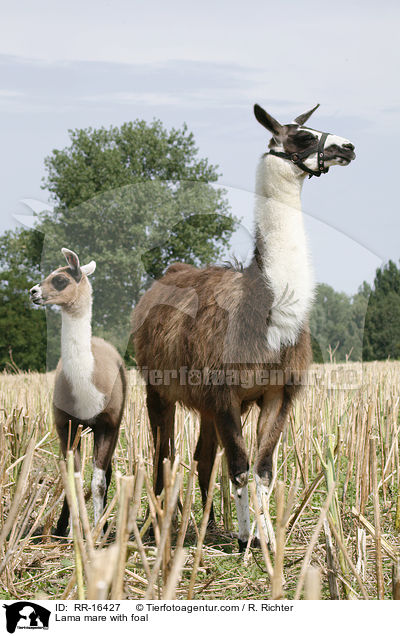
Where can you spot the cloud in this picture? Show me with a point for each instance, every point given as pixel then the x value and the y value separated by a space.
pixel 35 85
pixel 39 86
pixel 7 94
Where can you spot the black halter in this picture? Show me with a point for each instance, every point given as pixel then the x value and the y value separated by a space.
pixel 297 157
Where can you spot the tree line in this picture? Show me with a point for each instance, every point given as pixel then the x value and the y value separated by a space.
pixel 136 198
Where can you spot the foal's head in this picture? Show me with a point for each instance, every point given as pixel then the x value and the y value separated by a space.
pixel 67 286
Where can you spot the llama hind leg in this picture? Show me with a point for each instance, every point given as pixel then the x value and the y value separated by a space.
pixel 205 452
pixel 105 439
pixel 161 416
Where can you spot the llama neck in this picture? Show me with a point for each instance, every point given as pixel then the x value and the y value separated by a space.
pixel 78 365
pixel 280 181
pixel 281 251
pixel 79 397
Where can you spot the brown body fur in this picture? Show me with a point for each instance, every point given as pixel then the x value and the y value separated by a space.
pixel 215 319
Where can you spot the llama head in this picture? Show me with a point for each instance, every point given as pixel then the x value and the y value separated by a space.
pixel 67 286
pixel 312 151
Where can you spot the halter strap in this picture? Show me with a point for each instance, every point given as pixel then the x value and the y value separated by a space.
pixel 297 157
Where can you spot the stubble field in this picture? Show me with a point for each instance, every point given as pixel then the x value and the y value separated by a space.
pixel 333 512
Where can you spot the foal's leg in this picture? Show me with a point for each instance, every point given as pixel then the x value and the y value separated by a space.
pixel 204 454
pixel 105 438
pixel 161 416
pixel 229 427
pixel 65 433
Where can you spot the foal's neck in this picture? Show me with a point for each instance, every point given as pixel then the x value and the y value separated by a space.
pixel 78 361
pixel 76 347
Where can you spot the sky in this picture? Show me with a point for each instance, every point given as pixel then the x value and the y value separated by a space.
pixel 100 63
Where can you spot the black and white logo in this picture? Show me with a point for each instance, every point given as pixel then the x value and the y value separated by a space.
pixel 26 615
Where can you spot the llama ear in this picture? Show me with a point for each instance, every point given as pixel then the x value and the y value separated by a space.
pixel 89 268
pixel 72 259
pixel 267 120
pixel 301 119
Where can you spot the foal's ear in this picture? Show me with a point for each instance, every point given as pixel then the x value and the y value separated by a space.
pixel 267 120
pixel 72 260
pixel 89 268
pixel 301 119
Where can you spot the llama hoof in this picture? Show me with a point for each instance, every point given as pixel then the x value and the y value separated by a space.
pixel 242 545
pixel 59 535
pixel 264 478
pixel 150 534
pixel 256 543
pixel 37 535
pixel 240 480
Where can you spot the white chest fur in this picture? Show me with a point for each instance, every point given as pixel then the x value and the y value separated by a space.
pixel 78 366
pixel 286 262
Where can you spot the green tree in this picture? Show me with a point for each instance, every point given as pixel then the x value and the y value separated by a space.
pixel 337 323
pixel 134 199
pixel 382 323
pixel 100 160
pixel 22 326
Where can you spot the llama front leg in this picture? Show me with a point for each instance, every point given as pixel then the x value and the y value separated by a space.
pixel 229 428
pixel 66 432
pixel 271 421
pixel 243 515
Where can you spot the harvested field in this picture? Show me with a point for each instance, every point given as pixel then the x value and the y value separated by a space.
pixel 334 507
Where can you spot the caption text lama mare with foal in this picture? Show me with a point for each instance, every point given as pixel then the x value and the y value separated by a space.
pixel 90 385
pixel 221 320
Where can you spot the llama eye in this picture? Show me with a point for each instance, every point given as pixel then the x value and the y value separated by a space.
pixel 304 140
pixel 59 282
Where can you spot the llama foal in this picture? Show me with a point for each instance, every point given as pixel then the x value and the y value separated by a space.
pixel 90 385
pixel 218 340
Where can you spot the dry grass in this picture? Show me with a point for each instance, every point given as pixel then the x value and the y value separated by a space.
pixel 335 505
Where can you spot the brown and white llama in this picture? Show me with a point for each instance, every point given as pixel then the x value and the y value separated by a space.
pixel 218 340
pixel 90 384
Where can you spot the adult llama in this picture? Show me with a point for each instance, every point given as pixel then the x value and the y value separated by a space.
pixel 199 334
